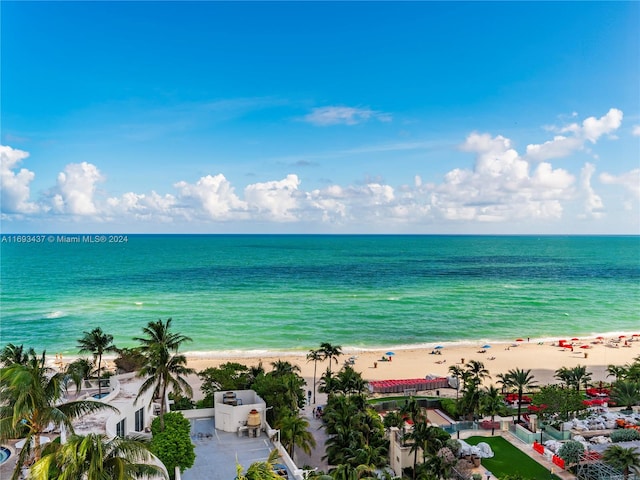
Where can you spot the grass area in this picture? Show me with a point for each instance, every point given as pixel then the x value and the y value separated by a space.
pixel 508 459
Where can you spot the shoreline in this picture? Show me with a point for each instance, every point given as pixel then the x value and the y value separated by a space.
pixel 542 358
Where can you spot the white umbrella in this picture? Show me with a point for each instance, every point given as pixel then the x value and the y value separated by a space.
pixel 43 440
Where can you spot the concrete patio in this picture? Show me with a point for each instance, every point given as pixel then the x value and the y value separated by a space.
pixel 218 452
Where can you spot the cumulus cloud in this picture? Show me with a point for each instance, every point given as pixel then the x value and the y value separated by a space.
pixel 213 194
pixel 15 186
pixel 339 115
pixel 636 131
pixel 75 189
pixel 276 200
pixel 590 130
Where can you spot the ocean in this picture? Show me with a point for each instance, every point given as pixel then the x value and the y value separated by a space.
pixel 249 294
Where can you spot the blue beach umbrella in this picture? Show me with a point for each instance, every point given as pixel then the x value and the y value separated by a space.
pixel 438 347
pixel 389 353
pixel 486 346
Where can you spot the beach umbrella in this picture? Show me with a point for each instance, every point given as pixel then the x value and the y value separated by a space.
pixel 519 340
pixel 389 354
pixel 486 346
pixel 600 338
pixel 438 347
pixel 585 346
pixel 622 336
pixel 574 339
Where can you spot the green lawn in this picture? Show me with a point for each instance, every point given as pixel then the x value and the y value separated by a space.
pixel 508 459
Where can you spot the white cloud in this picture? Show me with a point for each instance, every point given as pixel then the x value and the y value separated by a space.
pixel 593 128
pixel 151 207
pixel 75 189
pixel 630 181
pixel 339 115
pixel 214 194
pixel 275 200
pixel 593 205
pixel 590 131
pixel 15 186
pixel 636 131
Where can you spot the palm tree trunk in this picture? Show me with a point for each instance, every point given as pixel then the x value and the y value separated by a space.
pixel 315 364
pixel 99 376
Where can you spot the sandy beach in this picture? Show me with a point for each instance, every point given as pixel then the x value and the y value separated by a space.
pixel 542 358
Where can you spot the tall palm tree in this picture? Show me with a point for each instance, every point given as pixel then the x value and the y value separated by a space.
pixel 492 403
pixel 457 373
pixel 519 379
pixel 31 398
pixel 626 459
pixel 477 371
pixel 94 457
pixel 164 368
pixel 97 343
pixel 330 352
pixel 294 432
pixel 314 356
pixel 580 376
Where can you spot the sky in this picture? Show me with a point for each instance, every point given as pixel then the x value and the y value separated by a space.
pixel 320 117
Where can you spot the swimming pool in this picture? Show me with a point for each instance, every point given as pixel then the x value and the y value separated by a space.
pixel 5 453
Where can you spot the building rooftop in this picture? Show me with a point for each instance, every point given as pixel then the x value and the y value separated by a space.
pixel 217 452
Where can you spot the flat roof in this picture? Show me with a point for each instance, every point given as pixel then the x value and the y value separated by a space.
pixel 217 452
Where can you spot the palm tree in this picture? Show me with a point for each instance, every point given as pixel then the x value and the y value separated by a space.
pixel 294 432
pixel 491 403
pixel 164 367
pixel 477 371
pixel 282 367
pixel 314 356
pixel 97 343
pixel 11 354
pixel 330 352
pixel 626 459
pixel 260 470
pixel 620 372
pixel 626 393
pixel 519 379
pixel 456 372
pixel 78 371
pixel 94 457
pixel 580 376
pixel 31 399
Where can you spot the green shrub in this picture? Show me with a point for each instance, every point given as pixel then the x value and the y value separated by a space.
pixel 173 445
pixel 450 407
pixel 624 435
pixel 570 451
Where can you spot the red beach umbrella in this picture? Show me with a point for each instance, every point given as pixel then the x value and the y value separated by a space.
pixel 567 346
pixel 600 338
pixel 519 340
pixel 622 336
pixel 585 346
pixel 574 339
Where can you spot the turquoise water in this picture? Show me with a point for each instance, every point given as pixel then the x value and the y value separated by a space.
pixel 248 293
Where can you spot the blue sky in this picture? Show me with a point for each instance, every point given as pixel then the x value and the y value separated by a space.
pixel 329 117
